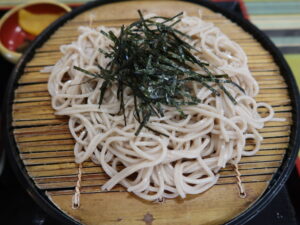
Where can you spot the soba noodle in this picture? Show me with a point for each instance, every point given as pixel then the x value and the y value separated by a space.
pixel 153 166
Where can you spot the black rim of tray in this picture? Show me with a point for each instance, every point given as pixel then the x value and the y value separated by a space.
pixel 40 197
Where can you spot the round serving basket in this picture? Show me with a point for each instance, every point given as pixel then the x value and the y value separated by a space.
pixel 40 146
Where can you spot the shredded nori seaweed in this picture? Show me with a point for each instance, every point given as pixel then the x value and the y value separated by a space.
pixel 153 60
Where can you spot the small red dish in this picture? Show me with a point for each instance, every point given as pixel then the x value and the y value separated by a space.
pixel 13 38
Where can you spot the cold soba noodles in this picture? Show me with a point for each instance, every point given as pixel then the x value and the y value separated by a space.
pixel 156 141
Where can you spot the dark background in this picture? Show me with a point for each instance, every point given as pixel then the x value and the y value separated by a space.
pixel 17 207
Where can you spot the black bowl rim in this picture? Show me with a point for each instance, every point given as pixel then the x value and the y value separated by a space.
pixel 40 197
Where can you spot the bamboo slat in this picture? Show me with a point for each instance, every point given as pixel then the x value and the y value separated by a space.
pixel 46 146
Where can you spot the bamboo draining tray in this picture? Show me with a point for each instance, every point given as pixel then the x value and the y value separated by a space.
pixel 46 146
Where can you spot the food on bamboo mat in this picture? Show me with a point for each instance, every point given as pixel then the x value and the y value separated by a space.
pixel 161 105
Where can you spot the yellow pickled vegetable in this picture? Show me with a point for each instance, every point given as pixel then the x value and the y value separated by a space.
pixel 35 23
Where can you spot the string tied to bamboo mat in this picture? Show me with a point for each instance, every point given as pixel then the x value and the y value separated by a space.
pixel 76 196
pixel 239 181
